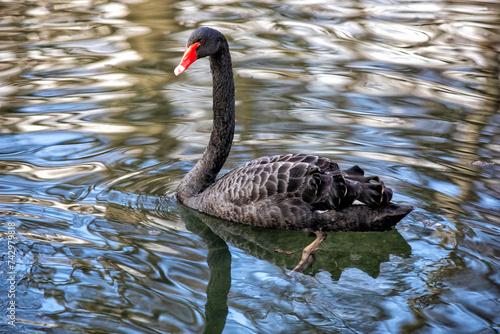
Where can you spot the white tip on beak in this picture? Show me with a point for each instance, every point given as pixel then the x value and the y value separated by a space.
pixel 179 69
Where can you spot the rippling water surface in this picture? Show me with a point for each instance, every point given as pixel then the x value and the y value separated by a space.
pixel 96 132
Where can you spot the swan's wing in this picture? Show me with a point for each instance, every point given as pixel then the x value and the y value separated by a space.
pixel 291 191
pixel 315 181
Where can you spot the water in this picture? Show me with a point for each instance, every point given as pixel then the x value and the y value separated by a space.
pixel 96 132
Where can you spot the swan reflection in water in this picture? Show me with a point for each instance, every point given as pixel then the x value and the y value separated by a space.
pixel 291 191
pixel 363 250
pixel 283 248
pixel 273 203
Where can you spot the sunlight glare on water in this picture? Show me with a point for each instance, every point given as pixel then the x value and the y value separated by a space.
pixel 96 132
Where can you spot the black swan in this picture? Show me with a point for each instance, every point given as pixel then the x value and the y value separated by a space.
pixel 293 191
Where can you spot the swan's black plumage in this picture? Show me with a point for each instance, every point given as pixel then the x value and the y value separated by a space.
pixel 294 191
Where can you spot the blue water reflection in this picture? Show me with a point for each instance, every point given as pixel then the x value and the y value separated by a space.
pixel 96 132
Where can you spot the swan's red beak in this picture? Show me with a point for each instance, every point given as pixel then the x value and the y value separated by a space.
pixel 187 59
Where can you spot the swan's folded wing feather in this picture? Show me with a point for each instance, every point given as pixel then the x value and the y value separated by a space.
pixel 316 181
pixel 293 192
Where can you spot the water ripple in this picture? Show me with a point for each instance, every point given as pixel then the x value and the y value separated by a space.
pixel 96 133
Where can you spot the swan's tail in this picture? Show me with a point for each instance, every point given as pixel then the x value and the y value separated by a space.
pixel 373 191
pixel 362 217
pixel 377 214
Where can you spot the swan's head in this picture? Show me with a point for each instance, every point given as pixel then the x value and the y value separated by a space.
pixel 202 42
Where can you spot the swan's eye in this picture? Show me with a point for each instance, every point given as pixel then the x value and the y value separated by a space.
pixel 202 42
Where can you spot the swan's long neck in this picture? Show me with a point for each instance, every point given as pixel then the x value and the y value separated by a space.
pixel 205 171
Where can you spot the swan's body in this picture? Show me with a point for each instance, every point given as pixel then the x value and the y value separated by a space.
pixel 294 191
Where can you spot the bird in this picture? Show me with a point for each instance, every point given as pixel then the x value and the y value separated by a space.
pixel 295 191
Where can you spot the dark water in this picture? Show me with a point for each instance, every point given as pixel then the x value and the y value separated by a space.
pixel 96 129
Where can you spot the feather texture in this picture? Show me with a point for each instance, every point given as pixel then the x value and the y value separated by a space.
pixel 290 192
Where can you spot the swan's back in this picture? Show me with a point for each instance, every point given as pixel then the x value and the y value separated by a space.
pixel 294 191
